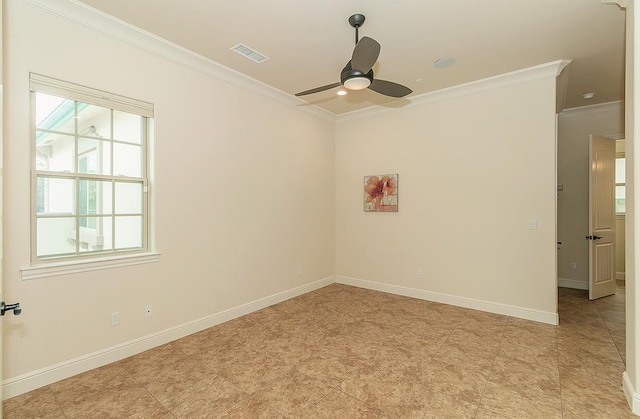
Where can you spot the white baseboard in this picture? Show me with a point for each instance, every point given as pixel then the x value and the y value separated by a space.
pixel 573 283
pixel 498 308
pixel 48 375
pixel 633 398
pixel 620 276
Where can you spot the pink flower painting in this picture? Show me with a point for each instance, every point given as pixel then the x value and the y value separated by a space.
pixel 381 193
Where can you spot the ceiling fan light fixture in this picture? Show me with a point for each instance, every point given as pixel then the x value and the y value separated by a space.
pixel 357 83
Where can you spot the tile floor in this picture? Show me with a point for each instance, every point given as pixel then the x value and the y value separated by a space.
pixel 345 352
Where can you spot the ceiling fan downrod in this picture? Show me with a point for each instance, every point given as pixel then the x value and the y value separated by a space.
pixel 356 21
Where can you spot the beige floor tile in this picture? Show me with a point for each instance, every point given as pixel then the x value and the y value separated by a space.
pixel 591 358
pixel 249 376
pixel 542 350
pixel 37 403
pixel 105 392
pixel 165 381
pixel 339 405
pixel 209 397
pixel 479 321
pixel 91 384
pixel 467 347
pixel 329 367
pixel 593 396
pixel 446 390
pixel 251 407
pixel 517 389
pixel 292 394
pixel 130 401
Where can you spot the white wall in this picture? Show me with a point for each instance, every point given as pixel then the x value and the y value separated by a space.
pixel 473 171
pixel 243 192
pixel 574 127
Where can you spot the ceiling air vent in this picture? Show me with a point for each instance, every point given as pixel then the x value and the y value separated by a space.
pixel 251 54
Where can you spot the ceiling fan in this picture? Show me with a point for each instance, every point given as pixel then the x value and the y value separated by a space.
pixel 358 73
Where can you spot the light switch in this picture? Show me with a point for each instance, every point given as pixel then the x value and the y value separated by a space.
pixel 533 224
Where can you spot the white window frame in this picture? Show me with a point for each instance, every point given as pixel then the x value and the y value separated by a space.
pixel 79 262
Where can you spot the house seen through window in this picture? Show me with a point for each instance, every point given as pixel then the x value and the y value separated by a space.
pixel 90 171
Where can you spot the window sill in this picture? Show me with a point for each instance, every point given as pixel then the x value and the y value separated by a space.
pixel 76 266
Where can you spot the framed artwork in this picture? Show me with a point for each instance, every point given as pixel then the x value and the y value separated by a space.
pixel 381 193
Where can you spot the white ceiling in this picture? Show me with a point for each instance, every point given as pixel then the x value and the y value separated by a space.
pixel 309 42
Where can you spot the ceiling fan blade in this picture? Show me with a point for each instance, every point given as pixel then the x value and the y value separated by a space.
pixel 319 89
pixel 389 88
pixel 365 54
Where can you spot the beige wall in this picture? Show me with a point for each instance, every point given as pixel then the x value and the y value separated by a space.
pixel 243 193
pixel 574 128
pixel 473 171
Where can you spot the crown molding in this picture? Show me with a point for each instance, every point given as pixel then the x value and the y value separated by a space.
pixel 617 106
pixel 552 69
pixel 97 20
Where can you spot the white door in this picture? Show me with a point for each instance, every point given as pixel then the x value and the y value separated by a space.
pixel 602 217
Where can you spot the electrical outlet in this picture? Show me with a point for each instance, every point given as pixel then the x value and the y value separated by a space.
pixel 115 318
pixel 420 274
pixel 299 270
pixel 573 266
pixel 148 310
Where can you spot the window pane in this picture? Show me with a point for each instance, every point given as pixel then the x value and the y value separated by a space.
pixel 128 198
pixel 620 173
pixel 57 150
pixel 96 155
pixel 56 236
pixel 127 160
pixel 620 199
pixel 94 197
pixel 94 121
pixel 128 232
pixel 87 161
pixel 54 113
pixel 55 195
pixel 41 194
pixel 106 230
pixel 127 127
pixel 91 238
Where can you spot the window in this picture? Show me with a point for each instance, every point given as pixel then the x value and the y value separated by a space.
pixel 90 177
pixel 620 185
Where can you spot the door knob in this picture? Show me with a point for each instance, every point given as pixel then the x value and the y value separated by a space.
pixel 8 307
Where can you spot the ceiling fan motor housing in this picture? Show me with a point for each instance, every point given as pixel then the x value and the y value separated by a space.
pixel 349 73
